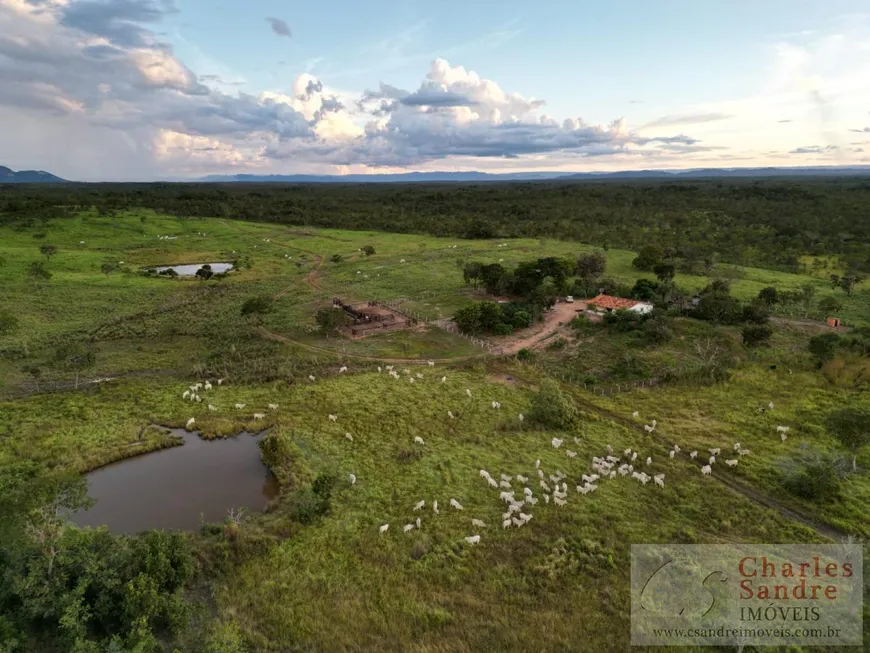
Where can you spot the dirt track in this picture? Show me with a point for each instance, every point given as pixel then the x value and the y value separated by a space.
pixel 535 336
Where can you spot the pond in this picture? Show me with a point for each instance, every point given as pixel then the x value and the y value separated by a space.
pixel 179 487
pixel 189 269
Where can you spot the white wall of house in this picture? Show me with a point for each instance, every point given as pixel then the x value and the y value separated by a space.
pixel 642 307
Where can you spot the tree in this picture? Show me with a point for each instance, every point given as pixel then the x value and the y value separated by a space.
pixel 37 271
pixel 205 273
pixel 769 295
pixel 808 291
pixel 75 357
pixel 48 251
pixel 8 322
pixel 664 271
pixel 368 250
pixel 471 273
pixel 756 312
pixel 257 306
pixel 330 319
pixel 756 334
pixel 468 319
pixel 851 426
pixel 830 304
pixel 551 408
pixel 848 283
pixel 492 276
pixel 646 290
pixel 590 268
pixel 824 347
pixel 648 257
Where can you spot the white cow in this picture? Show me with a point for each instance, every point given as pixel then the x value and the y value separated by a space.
pixel 259 416
pixel 190 423
pixel 473 539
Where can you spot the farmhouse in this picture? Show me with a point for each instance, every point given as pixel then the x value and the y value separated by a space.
pixel 608 304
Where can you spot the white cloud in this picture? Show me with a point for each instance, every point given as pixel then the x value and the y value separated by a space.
pixel 109 93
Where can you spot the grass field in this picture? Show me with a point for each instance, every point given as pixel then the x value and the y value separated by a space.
pixel 333 583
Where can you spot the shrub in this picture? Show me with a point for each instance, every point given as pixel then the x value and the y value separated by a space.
pixel 502 329
pixel 368 250
pixel 37 271
pixel 851 426
pixel 824 346
pixel 330 319
pixel 657 331
pixel 8 322
pixel 830 304
pixel 257 305
pixel 336 258
pixel 815 477
pixel 524 354
pixel 756 334
pixel 551 408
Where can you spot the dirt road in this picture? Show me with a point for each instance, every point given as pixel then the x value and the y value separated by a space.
pixel 538 335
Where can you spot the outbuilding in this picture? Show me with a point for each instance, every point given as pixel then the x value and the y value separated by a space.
pixel 609 304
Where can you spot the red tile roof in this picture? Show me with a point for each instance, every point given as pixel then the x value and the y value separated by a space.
pixel 614 303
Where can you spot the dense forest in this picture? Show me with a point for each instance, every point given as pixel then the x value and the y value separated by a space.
pixel 769 223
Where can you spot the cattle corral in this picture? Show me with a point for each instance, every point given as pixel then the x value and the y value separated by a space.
pixel 371 317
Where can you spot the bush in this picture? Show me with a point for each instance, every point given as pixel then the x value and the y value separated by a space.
pixel 368 250
pixel 657 331
pixel 8 322
pixel 502 329
pixel 756 334
pixel 815 477
pixel 331 319
pixel 257 305
pixel 830 304
pixel 524 354
pixel 824 347
pixel 336 258
pixel 551 408
pixel 37 271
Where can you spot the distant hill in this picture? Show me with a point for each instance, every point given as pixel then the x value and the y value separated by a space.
pixel 9 176
pixel 412 177
pixel 708 173
pixel 406 177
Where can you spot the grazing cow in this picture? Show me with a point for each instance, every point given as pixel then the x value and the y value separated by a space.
pixel 273 406
pixel 352 478
pixel 420 505
pixel 190 423
pixel 383 528
pixel 455 504
pixel 706 470
pixel 212 408
pixel 332 418
pixel 259 416
pixel 418 440
pixel 478 523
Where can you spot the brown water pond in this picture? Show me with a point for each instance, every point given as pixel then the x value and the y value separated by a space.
pixel 180 487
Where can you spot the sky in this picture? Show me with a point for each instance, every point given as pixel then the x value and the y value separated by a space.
pixel 116 90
